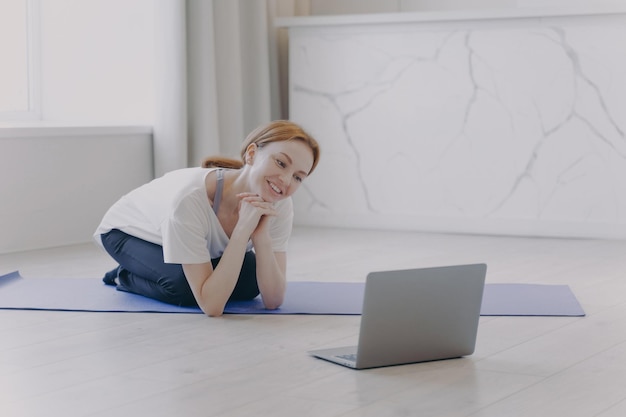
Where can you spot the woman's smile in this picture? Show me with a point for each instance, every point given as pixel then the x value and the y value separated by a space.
pixel 275 188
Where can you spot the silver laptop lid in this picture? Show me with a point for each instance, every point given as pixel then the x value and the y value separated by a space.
pixel 418 315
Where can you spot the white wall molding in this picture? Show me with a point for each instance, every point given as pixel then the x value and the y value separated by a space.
pixel 451 15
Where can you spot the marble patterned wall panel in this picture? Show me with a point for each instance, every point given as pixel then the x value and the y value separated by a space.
pixel 509 126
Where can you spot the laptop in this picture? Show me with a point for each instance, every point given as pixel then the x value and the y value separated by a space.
pixel 415 315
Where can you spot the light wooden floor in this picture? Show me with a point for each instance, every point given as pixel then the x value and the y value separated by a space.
pixel 127 364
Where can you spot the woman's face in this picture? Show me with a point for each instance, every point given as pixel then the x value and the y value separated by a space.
pixel 278 168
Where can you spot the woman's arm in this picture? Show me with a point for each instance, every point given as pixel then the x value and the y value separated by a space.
pixel 271 267
pixel 270 272
pixel 212 288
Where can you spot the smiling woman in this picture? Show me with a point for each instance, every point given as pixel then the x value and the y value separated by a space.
pixel 201 236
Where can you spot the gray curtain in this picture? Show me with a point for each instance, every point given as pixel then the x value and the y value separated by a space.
pixel 221 70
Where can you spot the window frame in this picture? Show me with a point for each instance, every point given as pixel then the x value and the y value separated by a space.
pixel 33 33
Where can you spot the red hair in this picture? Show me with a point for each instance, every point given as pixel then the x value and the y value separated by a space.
pixel 276 131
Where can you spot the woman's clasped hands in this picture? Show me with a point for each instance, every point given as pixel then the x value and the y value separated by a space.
pixel 254 213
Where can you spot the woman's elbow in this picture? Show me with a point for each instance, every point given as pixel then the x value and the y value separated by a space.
pixel 214 313
pixel 273 303
pixel 213 310
pixel 272 306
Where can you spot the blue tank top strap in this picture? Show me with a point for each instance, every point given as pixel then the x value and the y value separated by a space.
pixel 218 190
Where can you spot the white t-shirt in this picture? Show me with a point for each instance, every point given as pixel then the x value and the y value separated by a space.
pixel 174 211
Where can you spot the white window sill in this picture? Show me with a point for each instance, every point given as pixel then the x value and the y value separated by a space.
pixel 41 129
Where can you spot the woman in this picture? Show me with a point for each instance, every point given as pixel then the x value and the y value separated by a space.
pixel 186 238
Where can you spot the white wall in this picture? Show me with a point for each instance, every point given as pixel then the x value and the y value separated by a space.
pixel 497 124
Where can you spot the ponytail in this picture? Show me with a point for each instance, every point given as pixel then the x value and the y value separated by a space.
pixel 221 162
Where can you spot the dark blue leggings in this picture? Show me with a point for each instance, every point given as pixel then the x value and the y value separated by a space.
pixel 143 271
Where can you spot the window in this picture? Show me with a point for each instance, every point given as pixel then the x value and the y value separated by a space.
pixel 19 70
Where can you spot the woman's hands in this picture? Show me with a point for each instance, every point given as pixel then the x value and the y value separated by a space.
pixel 254 213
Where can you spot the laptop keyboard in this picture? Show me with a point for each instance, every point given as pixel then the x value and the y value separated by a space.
pixel 350 357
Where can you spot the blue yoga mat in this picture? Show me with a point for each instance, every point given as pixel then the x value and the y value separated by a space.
pixel 330 298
